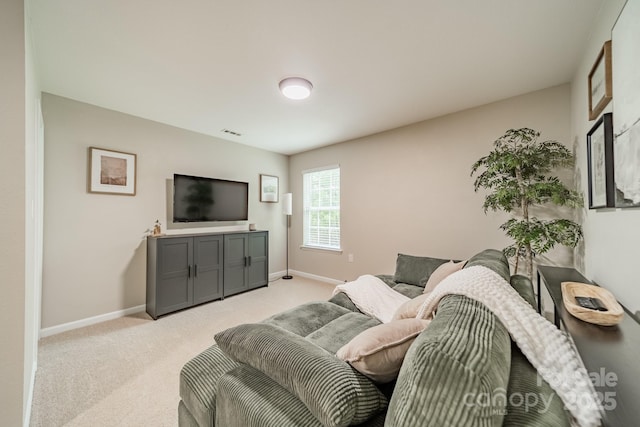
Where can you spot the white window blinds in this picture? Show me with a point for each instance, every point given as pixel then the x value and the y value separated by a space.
pixel 321 208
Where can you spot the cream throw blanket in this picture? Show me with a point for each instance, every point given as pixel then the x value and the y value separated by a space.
pixel 544 345
pixel 373 297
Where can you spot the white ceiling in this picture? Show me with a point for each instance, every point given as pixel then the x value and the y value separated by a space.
pixel 209 65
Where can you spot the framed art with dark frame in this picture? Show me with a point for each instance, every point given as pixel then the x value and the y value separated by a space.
pixel 600 83
pixel 602 192
pixel 112 172
pixel 268 188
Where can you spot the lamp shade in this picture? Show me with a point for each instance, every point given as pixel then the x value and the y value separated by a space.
pixel 287 204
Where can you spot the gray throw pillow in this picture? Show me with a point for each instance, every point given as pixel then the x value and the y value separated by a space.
pixel 415 270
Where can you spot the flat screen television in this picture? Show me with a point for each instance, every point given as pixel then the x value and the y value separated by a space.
pixel 198 199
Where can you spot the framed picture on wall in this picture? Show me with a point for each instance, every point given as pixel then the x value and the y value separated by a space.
pixel 112 172
pixel 626 146
pixel 268 188
pixel 600 163
pixel 600 87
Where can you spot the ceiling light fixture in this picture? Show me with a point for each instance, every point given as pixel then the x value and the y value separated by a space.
pixel 296 88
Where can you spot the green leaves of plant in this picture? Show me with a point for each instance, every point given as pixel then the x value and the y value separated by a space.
pixel 541 235
pixel 518 173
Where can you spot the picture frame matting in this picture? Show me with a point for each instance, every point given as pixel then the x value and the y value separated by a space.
pixel 112 172
pixel 269 188
pixel 600 163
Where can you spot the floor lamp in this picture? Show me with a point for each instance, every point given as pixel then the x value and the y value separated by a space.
pixel 287 209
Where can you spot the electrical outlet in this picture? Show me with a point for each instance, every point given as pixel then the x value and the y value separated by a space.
pixel 350 257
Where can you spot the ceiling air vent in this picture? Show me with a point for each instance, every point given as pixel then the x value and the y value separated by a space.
pixel 230 132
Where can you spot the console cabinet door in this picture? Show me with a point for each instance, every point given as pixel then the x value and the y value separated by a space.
pixel 258 259
pixel 174 286
pixel 236 253
pixel 207 268
pixel 186 271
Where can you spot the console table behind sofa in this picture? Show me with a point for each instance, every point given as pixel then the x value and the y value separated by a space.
pixel 610 354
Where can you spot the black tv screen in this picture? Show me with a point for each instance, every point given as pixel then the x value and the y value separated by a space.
pixel 197 199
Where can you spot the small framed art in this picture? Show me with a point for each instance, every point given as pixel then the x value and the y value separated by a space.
pixel 268 188
pixel 600 163
pixel 112 172
pixel 600 83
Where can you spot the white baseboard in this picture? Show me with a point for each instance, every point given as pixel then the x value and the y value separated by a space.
pixel 316 277
pixel 90 321
pixel 277 275
pixel 46 332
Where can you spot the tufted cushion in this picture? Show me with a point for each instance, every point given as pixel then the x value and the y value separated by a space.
pixel 338 332
pixel 306 318
pixel 333 392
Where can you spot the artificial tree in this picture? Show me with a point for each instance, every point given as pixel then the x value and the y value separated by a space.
pixel 518 176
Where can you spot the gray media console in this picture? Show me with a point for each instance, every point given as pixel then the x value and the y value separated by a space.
pixel 187 270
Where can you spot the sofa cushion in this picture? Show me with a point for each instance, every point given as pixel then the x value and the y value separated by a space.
pixel 306 318
pixel 415 270
pixel 378 352
pixel 185 419
pixel 344 301
pixel 338 332
pixel 532 401
pixel 199 383
pixel 252 399
pixel 523 285
pixel 493 259
pixel 407 290
pixel 461 359
pixel 334 393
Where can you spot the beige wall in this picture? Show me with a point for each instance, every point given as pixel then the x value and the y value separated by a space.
pixel 12 213
pixel 409 190
pixel 610 252
pixel 95 247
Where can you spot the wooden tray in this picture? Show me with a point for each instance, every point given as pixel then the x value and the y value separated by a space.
pixel 570 290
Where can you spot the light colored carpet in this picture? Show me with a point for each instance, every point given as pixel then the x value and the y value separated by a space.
pixel 124 372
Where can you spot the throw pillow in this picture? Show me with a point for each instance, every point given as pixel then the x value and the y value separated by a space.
pixel 415 270
pixel 409 310
pixel 378 352
pixel 440 273
pixel 333 392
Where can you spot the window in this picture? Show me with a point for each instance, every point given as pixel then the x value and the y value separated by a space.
pixel 321 208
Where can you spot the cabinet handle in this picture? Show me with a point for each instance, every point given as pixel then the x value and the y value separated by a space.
pixel 195 270
pixel 188 271
pixel 245 261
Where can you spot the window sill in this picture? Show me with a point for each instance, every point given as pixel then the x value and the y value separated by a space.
pixel 320 249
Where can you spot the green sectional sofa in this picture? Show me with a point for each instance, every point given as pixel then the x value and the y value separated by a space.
pixel 462 370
